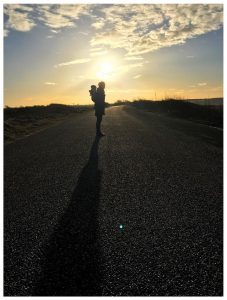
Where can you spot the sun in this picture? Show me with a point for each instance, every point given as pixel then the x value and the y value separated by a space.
pixel 105 70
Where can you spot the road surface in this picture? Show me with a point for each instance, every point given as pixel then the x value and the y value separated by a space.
pixel 137 212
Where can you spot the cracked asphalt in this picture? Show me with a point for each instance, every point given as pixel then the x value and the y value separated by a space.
pixel 138 212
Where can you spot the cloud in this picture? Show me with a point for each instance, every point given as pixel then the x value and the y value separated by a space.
pixel 99 53
pixel 53 19
pixel 136 28
pixel 137 76
pixel 133 58
pixel 6 32
pixel 145 28
pixel 19 18
pixel 96 49
pixel 74 62
pixel 112 38
pixel 99 24
pixel 125 68
pixel 50 83
pixel 83 32
pixel 202 83
pixel 18 7
pixel 25 17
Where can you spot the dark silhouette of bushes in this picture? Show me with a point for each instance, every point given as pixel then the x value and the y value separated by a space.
pixel 22 121
pixel 209 114
pixel 41 111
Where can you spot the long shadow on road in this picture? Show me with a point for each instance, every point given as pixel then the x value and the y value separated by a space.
pixel 71 264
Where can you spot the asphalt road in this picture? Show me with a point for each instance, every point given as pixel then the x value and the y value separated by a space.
pixel 67 195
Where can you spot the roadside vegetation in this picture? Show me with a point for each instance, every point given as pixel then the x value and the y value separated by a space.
pixel 23 121
pixel 211 115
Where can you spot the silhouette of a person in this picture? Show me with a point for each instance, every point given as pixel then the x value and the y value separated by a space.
pixel 99 107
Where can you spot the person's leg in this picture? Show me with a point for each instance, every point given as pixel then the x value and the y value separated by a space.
pixel 98 123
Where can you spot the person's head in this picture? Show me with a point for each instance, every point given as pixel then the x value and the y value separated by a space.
pixel 93 87
pixel 101 84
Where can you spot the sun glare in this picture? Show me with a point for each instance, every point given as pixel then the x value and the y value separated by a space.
pixel 105 70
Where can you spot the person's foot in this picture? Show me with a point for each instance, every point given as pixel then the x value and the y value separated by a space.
pixel 100 133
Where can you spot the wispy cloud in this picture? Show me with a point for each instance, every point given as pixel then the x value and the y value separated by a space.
pixel 83 32
pixel 74 62
pixel 128 67
pixel 96 49
pixel 202 83
pixel 137 76
pixel 99 53
pixel 133 58
pixel 50 83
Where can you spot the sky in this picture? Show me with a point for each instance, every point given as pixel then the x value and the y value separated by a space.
pixel 53 53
